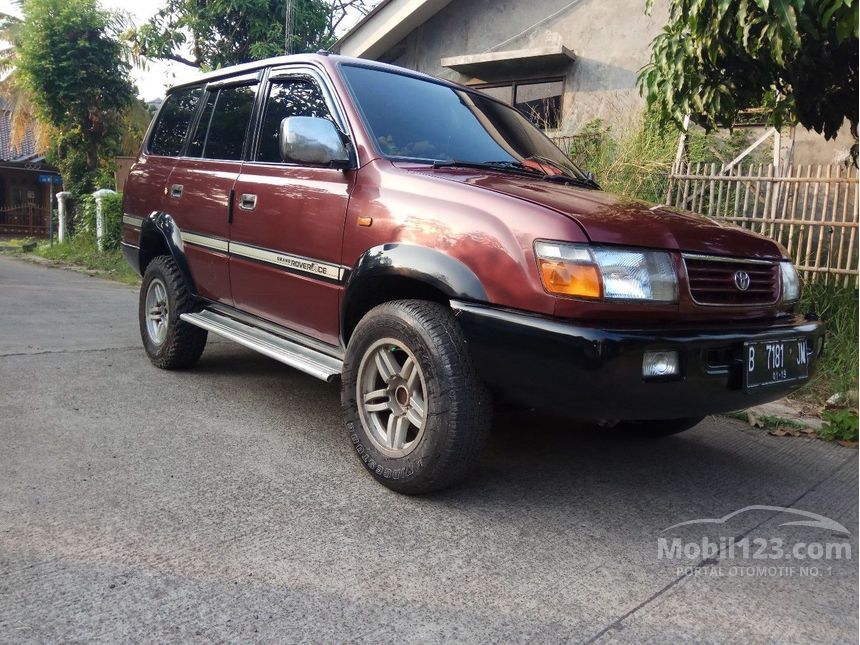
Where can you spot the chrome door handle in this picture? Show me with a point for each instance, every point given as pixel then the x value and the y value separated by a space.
pixel 248 202
pixel 176 191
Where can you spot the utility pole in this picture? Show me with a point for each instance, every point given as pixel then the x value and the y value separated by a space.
pixel 288 28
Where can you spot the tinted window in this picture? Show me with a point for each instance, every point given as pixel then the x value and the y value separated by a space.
pixel 170 129
pixel 416 119
pixel 229 123
pixel 292 97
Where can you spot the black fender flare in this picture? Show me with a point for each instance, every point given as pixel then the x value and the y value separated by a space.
pixel 158 231
pixel 434 268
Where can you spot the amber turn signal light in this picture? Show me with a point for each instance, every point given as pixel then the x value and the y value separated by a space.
pixel 570 279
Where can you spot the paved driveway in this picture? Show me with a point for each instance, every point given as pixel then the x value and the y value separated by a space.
pixel 223 503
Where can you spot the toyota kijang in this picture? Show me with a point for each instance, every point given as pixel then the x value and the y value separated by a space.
pixel 424 245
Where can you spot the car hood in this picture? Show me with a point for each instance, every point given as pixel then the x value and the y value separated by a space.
pixel 609 219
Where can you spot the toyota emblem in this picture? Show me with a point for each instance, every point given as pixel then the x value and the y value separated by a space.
pixel 742 280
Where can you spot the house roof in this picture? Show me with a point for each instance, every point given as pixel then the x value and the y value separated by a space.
pixel 389 23
pixel 25 151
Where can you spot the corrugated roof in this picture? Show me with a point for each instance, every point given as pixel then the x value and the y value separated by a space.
pixel 26 149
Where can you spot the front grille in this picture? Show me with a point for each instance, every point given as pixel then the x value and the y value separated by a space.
pixel 712 281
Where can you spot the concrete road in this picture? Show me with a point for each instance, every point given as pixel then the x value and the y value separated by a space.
pixel 225 504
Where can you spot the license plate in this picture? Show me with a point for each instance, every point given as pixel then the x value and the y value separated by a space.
pixel 771 362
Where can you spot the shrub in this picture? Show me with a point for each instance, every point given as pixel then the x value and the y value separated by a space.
pixel 85 218
pixel 841 425
pixel 838 307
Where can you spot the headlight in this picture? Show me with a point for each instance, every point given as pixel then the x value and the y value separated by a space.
pixel 595 272
pixel 790 282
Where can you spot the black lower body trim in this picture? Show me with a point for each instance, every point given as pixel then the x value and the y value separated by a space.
pixel 131 254
pixel 591 373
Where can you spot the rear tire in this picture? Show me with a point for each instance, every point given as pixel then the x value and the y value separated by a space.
pixel 662 428
pixel 416 413
pixel 170 342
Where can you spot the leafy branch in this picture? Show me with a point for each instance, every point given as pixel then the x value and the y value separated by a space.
pixel 797 58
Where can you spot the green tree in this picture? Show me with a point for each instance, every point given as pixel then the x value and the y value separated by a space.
pixel 714 58
pixel 74 69
pixel 215 33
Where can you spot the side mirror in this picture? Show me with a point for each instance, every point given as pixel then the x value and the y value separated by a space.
pixel 311 140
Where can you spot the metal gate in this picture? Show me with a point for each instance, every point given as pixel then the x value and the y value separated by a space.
pixel 24 219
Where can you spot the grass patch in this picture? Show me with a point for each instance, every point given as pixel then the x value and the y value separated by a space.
pixel 837 372
pixel 82 251
pixel 768 422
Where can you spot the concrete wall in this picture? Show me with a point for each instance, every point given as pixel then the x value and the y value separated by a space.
pixel 811 148
pixel 610 38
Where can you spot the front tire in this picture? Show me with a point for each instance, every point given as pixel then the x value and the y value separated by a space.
pixel 416 413
pixel 170 342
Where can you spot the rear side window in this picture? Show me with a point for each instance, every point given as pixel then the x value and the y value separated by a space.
pixel 175 117
pixel 221 130
pixel 288 97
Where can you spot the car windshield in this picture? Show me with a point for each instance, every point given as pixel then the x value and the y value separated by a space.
pixel 419 120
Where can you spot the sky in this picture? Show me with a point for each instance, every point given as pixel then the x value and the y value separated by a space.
pixel 157 76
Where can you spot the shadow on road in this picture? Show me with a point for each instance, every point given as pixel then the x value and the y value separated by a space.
pixel 543 460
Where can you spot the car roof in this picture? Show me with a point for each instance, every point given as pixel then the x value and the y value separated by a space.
pixel 320 57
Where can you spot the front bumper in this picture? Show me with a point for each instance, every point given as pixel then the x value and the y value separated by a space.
pixel 595 374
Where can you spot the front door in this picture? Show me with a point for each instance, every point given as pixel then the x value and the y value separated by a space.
pixel 201 185
pixel 287 230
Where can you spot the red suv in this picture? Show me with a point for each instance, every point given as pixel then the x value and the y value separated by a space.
pixel 425 244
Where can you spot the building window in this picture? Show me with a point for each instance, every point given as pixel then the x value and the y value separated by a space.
pixel 539 100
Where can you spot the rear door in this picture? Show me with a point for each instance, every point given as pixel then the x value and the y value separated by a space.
pixel 287 230
pixel 145 189
pixel 201 184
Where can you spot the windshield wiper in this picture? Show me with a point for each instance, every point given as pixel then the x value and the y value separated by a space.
pixel 510 166
pixel 521 169
pixel 565 176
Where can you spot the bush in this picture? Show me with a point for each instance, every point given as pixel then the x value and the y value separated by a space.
pixel 841 425
pixel 85 218
pixel 635 164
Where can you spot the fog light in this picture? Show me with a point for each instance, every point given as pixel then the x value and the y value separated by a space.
pixel 656 364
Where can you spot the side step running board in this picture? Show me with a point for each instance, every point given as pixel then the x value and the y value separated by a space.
pixel 290 353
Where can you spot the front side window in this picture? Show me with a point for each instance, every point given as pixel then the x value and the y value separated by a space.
pixel 168 134
pixel 222 127
pixel 288 97
pixel 415 119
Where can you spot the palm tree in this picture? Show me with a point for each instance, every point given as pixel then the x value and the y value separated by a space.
pixel 18 101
